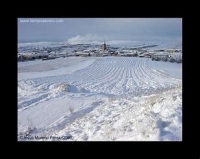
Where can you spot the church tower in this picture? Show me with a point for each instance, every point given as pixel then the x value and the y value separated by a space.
pixel 103 46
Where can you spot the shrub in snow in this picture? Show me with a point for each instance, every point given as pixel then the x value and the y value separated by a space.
pixel 30 130
pixel 111 99
pixel 63 87
pixel 71 109
pixel 31 127
pixel 26 133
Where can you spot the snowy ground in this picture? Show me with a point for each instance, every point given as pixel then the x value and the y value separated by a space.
pixel 100 98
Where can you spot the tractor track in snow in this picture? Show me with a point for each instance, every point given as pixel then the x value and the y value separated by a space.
pixel 114 76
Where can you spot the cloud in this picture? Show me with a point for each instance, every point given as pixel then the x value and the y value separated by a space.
pixel 97 39
pixel 88 38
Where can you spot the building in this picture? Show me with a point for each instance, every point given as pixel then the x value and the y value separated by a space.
pixel 82 54
pixel 103 46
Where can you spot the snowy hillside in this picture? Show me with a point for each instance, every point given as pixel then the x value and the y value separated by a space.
pixel 99 98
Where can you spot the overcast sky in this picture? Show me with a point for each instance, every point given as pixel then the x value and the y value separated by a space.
pixel 63 29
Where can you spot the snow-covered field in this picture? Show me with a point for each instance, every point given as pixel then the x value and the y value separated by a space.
pixel 99 98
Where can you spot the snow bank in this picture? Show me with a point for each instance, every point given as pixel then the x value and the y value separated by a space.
pixel 54 67
pixel 153 118
pixel 157 117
